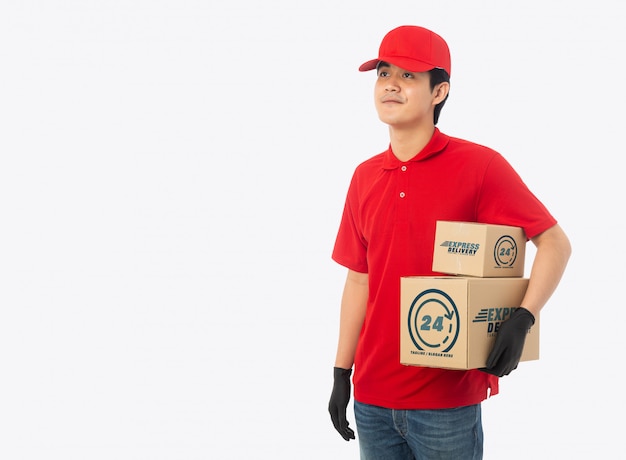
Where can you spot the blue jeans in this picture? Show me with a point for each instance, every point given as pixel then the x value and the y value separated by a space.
pixel 387 434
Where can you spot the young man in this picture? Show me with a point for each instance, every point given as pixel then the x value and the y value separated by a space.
pixel 387 231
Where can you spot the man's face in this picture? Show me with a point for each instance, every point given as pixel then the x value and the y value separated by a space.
pixel 404 99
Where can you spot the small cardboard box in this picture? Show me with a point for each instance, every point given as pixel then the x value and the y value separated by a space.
pixel 452 321
pixel 474 249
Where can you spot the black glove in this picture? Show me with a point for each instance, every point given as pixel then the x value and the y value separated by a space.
pixel 339 399
pixel 509 344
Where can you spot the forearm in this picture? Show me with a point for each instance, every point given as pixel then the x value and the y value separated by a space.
pixel 353 306
pixel 553 252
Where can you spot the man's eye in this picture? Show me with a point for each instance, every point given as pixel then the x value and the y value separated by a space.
pixel 407 75
pixel 382 73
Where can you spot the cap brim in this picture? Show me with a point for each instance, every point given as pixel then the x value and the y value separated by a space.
pixel 369 65
pixel 404 63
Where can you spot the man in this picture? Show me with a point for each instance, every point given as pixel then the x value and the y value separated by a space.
pixel 387 231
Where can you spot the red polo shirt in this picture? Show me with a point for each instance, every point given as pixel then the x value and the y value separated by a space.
pixel 388 231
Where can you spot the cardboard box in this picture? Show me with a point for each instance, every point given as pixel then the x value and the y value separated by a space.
pixel 452 321
pixel 474 249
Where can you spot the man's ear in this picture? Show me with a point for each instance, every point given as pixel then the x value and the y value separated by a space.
pixel 441 92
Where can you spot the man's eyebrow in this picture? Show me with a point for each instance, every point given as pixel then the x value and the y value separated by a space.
pixel 382 65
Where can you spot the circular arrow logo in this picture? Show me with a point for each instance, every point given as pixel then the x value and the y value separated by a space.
pixel 505 251
pixel 433 321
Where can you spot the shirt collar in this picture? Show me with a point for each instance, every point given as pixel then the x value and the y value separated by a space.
pixel 436 144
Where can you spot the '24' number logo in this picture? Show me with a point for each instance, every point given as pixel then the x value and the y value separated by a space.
pixel 427 320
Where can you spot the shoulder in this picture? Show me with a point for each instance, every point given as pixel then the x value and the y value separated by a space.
pixel 457 144
pixel 371 165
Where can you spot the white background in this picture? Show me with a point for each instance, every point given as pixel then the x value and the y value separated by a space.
pixel 172 175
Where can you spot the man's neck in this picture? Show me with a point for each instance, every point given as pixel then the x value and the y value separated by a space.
pixel 405 144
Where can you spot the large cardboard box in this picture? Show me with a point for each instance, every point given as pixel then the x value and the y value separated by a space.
pixel 475 249
pixel 452 321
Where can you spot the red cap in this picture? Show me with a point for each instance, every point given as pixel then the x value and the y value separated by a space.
pixel 412 48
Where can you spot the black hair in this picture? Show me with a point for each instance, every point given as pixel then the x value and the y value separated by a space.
pixel 438 76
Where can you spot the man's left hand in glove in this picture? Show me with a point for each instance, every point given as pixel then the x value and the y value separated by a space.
pixel 509 343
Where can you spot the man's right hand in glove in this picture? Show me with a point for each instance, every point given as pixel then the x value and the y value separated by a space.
pixel 338 403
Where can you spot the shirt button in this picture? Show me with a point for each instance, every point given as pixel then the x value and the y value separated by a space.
pixel 403 168
pixel 402 195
